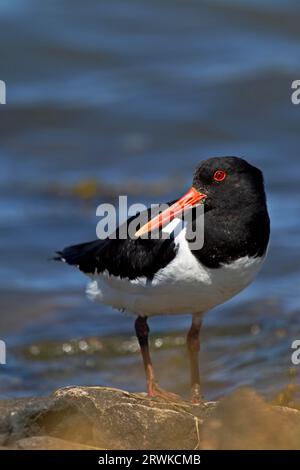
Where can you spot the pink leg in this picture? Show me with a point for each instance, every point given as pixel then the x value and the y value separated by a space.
pixel 153 389
pixel 193 345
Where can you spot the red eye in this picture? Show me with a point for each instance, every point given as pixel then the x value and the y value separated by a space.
pixel 220 175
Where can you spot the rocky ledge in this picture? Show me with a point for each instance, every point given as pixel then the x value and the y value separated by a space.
pixel 106 418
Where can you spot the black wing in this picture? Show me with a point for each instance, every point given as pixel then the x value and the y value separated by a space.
pixel 130 258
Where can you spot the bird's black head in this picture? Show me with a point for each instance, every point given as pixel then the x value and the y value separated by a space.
pixel 236 222
pixel 229 182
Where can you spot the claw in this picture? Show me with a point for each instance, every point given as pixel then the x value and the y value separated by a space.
pixel 155 391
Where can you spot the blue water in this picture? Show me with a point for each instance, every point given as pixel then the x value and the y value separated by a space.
pixel 132 95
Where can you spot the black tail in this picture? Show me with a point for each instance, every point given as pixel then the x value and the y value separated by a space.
pixel 83 256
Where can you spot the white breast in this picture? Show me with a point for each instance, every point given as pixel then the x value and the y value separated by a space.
pixel 183 286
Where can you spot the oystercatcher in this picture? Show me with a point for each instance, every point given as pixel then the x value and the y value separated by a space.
pixel 167 275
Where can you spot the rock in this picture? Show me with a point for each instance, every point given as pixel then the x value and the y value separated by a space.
pixel 49 443
pixel 107 418
pixel 244 420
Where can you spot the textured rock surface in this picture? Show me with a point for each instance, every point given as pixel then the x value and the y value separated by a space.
pixel 106 418
pixel 244 420
pixel 102 417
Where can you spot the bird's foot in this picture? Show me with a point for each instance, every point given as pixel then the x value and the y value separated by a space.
pixel 154 390
pixel 196 396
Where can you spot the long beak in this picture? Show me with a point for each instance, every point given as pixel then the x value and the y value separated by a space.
pixel 189 200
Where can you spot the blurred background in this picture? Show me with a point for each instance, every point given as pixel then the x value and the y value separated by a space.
pixel 109 97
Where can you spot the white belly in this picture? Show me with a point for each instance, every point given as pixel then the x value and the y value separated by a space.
pixel 183 286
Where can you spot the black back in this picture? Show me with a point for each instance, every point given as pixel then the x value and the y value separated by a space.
pixel 125 258
pixel 236 224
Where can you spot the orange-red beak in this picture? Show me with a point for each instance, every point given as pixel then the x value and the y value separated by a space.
pixel 189 200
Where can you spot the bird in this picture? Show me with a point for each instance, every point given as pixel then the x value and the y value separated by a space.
pixel 169 275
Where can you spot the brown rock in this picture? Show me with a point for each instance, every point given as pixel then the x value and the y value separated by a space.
pixel 49 443
pixel 104 418
pixel 244 420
